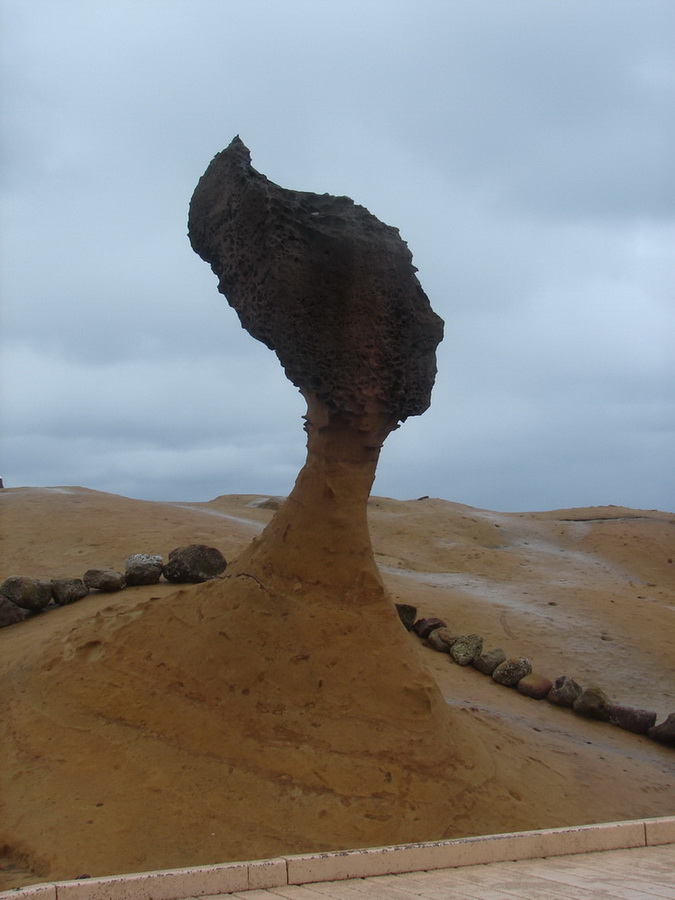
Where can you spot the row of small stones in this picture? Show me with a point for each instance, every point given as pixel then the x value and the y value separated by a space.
pixel 592 701
pixel 24 595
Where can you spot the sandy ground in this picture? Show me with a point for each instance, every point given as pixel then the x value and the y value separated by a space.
pixel 102 741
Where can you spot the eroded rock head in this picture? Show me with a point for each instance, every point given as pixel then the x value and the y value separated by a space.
pixel 323 283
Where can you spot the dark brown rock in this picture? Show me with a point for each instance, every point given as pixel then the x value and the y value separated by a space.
pixel 105 580
pixel 466 648
pixel 407 614
pixel 28 593
pixel 193 564
pixel 488 662
pixel 424 627
pixel 593 703
pixel 142 568
pixel 441 639
pixel 535 686
pixel 665 731
pixel 564 692
pixel 10 613
pixel 512 670
pixel 322 282
pixel 68 590
pixel 638 721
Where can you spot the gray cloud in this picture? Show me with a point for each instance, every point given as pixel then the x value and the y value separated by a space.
pixel 520 148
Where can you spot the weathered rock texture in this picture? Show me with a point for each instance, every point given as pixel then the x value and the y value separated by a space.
pixel 323 283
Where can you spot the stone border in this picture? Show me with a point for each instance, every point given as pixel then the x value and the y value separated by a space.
pixel 225 878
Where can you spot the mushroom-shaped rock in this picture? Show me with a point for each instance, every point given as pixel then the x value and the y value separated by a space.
pixel 322 282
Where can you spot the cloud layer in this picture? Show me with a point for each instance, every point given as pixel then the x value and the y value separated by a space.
pixel 521 148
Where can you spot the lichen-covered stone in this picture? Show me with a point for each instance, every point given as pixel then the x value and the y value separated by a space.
pixel 441 639
pixel 488 662
pixel 466 648
pixel 193 564
pixel 535 686
pixel 105 580
pixel 564 692
pixel 593 703
pixel 143 568
pixel 512 670
pixel 323 283
pixel 28 593
pixel 632 719
pixel 407 614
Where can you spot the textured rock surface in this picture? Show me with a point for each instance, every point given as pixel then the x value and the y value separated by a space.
pixel 322 282
pixel 68 590
pixel 488 662
pixel 466 648
pixel 143 568
pixel 407 613
pixel 638 721
pixel 593 703
pixel 512 670
pixel 664 731
pixel 10 613
pixel 28 593
pixel 441 639
pixel 535 686
pixel 194 563
pixel 564 692
pixel 105 580
pixel 424 627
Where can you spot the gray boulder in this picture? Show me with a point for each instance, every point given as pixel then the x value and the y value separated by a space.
pixel 10 613
pixel 142 568
pixel 593 703
pixel 28 593
pixel 488 662
pixel 105 580
pixel 466 648
pixel 68 590
pixel 564 692
pixel 193 564
pixel 512 670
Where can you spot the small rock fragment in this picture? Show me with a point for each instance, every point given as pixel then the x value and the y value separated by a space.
pixel 10 613
pixel 638 721
pixel 194 564
pixel 466 648
pixel 28 593
pixel 141 568
pixel 512 670
pixel 665 731
pixel 68 590
pixel 535 686
pixel 593 703
pixel 488 662
pixel 424 627
pixel 407 614
pixel 441 639
pixel 564 692
pixel 106 580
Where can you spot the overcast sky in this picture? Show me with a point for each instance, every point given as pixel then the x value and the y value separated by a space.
pixel 524 148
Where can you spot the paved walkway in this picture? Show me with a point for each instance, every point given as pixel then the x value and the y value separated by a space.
pixel 644 873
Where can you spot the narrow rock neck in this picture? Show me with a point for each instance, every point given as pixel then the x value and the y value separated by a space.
pixel 320 535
